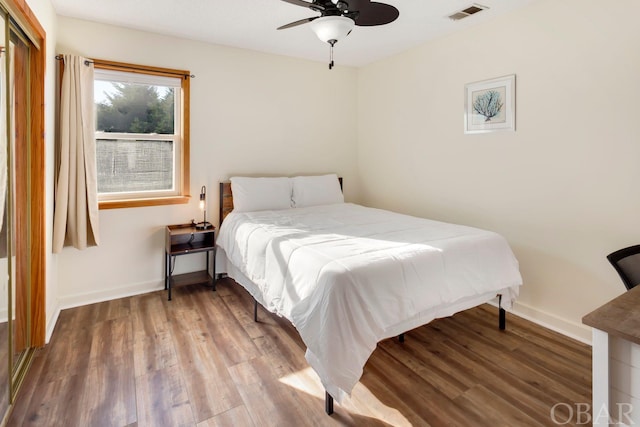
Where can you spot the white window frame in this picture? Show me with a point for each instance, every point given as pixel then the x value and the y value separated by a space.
pixel 179 80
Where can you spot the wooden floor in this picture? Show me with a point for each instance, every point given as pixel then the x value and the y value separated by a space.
pixel 201 360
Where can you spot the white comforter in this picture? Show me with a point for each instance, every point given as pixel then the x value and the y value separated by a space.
pixel 348 276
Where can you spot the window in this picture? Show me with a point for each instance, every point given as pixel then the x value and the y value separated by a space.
pixel 142 129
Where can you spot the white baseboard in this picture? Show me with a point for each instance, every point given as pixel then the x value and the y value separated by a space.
pixel 51 323
pixel 78 300
pixel 566 327
pixel 70 301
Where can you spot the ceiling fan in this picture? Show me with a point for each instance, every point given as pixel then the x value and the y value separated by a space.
pixel 338 17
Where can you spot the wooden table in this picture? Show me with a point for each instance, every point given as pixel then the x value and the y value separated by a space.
pixel 619 317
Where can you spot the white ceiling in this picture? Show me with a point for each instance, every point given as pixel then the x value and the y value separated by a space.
pixel 252 24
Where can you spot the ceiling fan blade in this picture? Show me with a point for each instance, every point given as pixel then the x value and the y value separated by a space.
pixel 296 23
pixel 312 6
pixel 355 5
pixel 376 14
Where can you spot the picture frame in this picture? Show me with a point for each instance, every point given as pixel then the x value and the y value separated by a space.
pixel 490 105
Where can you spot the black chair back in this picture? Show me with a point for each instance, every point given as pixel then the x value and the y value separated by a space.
pixel 627 263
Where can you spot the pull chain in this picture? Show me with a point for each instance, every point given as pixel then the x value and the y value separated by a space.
pixel 331 42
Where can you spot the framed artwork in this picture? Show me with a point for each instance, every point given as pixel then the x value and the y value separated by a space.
pixel 490 105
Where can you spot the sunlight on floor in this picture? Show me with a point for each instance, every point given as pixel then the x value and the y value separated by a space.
pixel 362 401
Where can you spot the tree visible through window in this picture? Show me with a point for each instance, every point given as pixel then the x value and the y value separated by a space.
pixel 137 108
pixel 139 135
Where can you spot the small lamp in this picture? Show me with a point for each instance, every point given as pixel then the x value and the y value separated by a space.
pixel 203 207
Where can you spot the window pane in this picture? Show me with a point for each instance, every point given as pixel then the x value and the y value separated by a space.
pixel 134 108
pixel 142 132
pixel 134 165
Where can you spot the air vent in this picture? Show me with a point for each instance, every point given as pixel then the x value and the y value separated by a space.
pixel 471 10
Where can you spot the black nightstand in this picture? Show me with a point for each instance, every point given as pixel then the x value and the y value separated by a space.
pixel 185 239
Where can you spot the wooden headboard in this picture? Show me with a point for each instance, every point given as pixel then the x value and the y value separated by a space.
pixel 226 199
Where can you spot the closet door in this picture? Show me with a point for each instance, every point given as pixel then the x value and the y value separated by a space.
pixel 15 207
pixel 19 195
pixel 22 195
pixel 5 257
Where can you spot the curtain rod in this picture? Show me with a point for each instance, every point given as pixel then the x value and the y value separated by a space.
pixel 86 61
pixel 131 67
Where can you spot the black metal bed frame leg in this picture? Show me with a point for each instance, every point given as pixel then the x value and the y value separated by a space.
pixel 502 321
pixel 328 400
pixel 328 403
pixel 255 310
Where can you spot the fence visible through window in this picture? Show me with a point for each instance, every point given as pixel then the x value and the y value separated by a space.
pixel 134 165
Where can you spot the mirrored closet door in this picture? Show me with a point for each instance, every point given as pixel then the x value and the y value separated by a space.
pixel 5 253
pixel 19 197
pixel 18 151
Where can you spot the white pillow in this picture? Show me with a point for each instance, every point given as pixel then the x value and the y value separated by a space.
pixel 260 194
pixel 316 190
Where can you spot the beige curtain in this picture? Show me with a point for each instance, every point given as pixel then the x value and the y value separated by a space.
pixel 75 221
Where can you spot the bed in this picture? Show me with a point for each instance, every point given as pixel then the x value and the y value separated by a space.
pixel 348 276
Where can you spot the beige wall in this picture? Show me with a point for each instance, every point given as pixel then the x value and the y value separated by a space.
pixel 563 188
pixel 251 113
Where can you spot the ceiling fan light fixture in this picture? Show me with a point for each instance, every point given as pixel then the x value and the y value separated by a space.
pixel 332 29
